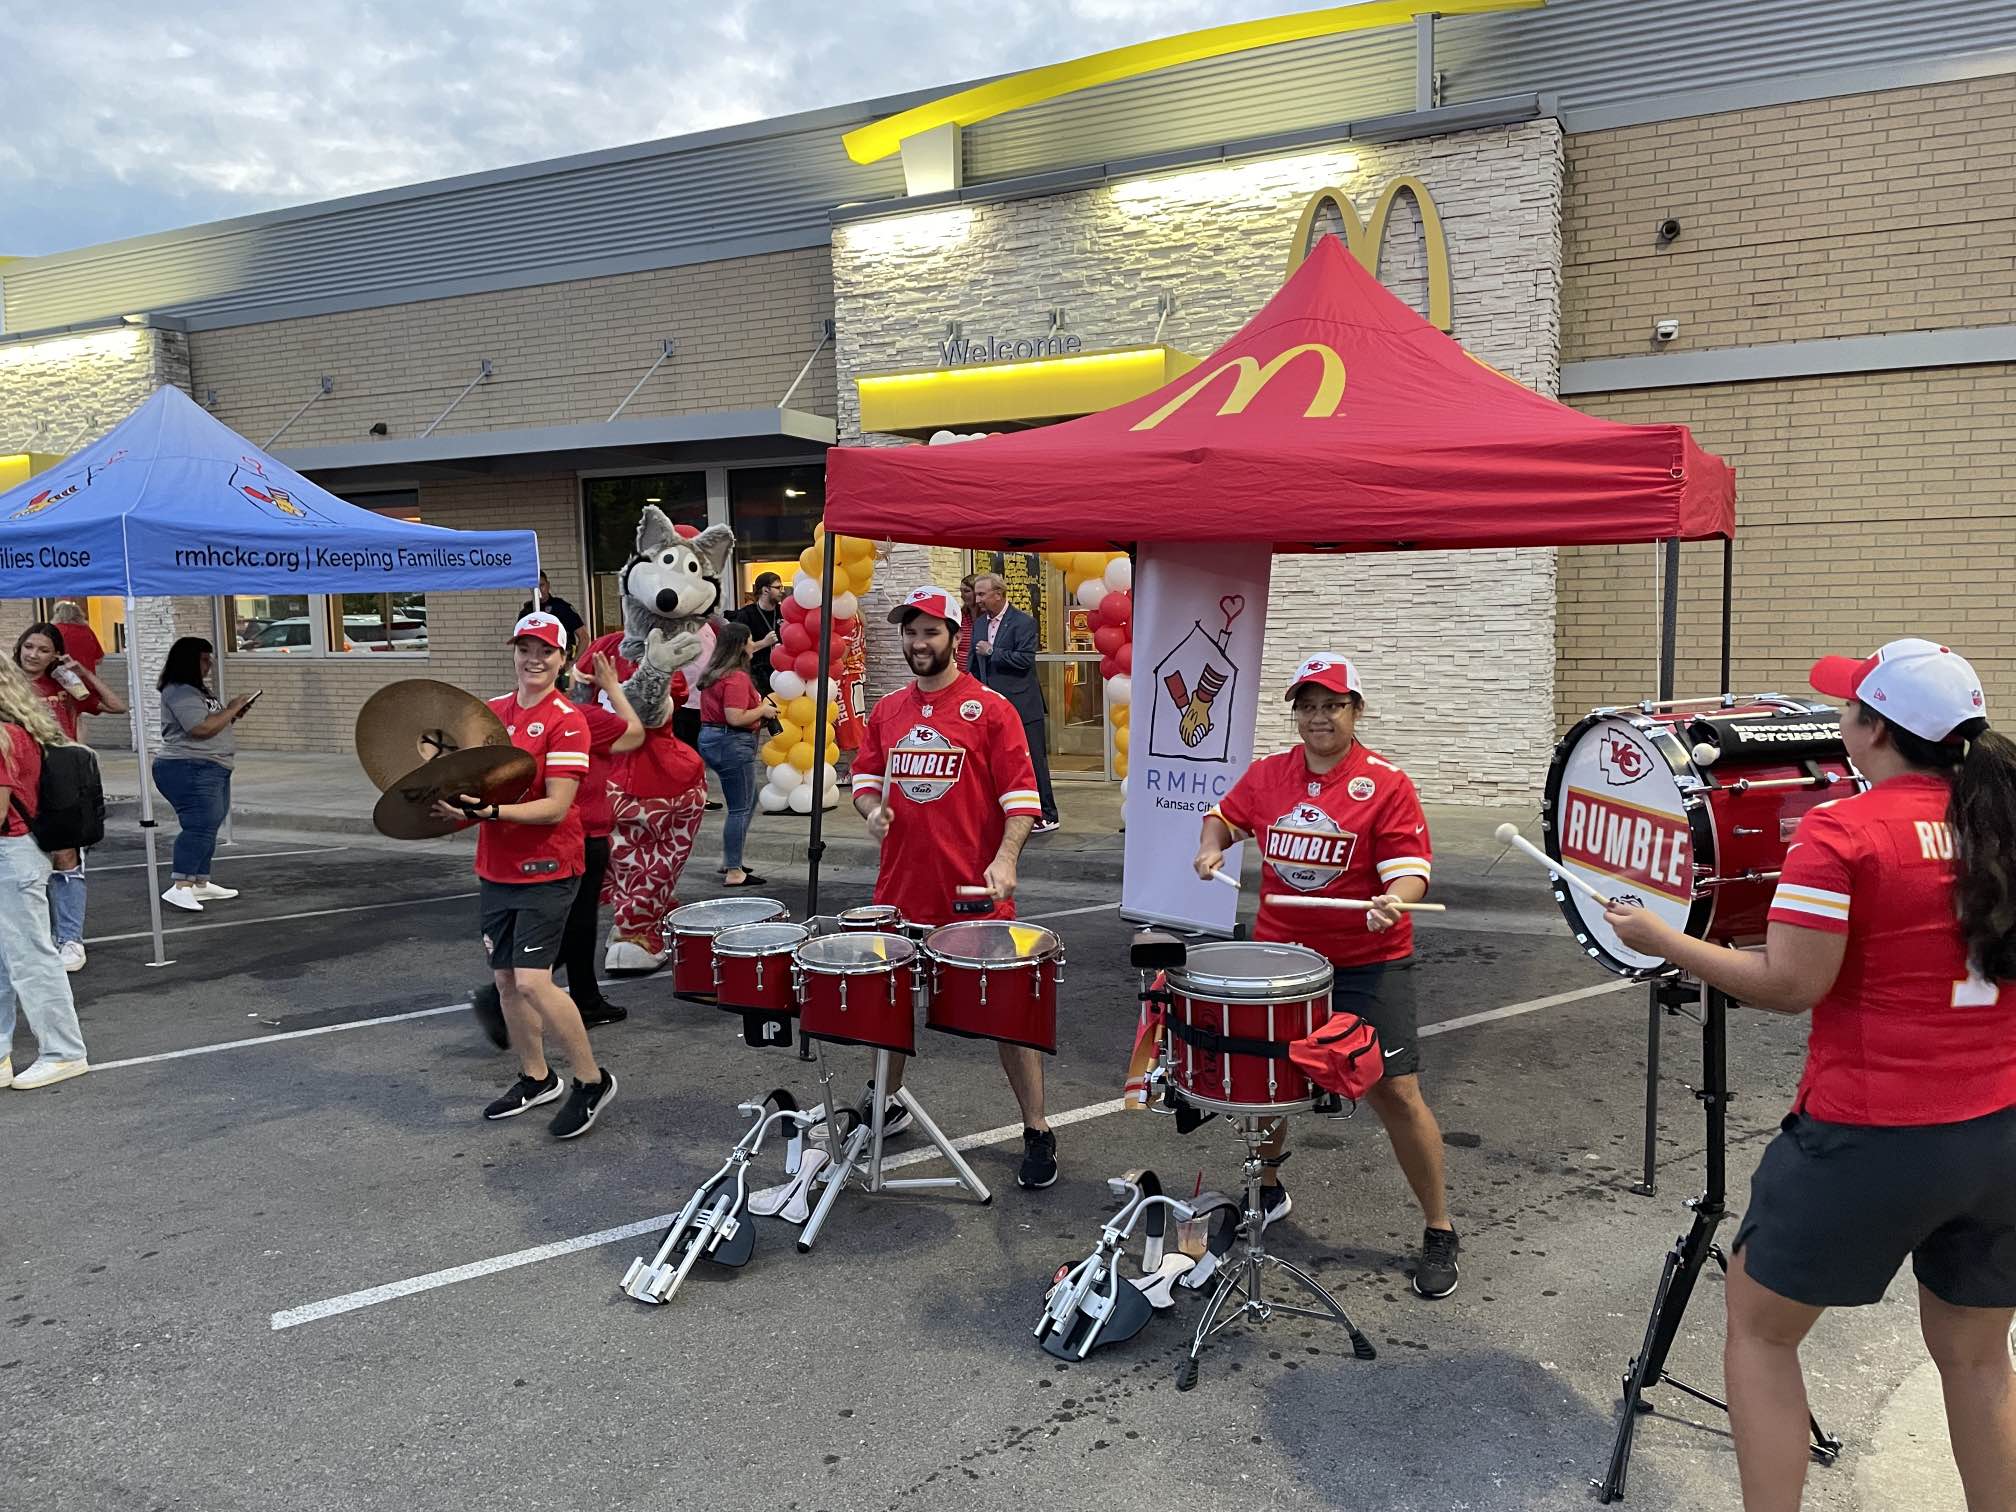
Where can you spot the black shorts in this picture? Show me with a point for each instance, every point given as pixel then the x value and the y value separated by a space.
pixel 1382 994
pixel 1835 1208
pixel 523 922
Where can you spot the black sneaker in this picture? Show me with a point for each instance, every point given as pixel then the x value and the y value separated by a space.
pixel 1039 1159
pixel 525 1094
pixel 895 1115
pixel 584 1104
pixel 595 1015
pixel 1435 1271
pixel 1275 1203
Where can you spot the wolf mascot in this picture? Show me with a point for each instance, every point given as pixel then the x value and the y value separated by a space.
pixel 671 591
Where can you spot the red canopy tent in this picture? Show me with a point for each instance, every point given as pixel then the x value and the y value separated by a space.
pixel 1336 420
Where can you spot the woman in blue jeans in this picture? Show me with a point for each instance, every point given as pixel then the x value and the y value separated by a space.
pixel 731 712
pixel 193 770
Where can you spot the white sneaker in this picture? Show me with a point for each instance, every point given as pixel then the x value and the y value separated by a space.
pixel 6 1070
pixel 47 1071
pixel 71 953
pixel 210 891
pixel 182 897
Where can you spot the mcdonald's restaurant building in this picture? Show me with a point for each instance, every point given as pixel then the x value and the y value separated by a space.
pixel 1798 245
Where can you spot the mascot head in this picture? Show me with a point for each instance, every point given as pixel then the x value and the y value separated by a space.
pixel 673 583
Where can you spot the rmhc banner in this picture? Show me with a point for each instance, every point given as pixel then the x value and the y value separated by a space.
pixel 1199 615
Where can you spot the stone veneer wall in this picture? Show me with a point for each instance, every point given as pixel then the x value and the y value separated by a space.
pixel 1457 648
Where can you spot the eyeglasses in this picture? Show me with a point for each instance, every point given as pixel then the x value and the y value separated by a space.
pixel 1321 711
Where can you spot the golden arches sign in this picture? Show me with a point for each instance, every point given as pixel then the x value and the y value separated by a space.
pixel 1251 376
pixel 1367 239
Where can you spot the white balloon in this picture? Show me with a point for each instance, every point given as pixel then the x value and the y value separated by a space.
pixel 1119 691
pixel 785 777
pixel 786 685
pixel 801 800
pixel 940 437
pixel 771 801
pixel 846 607
pixel 1123 789
pixel 1090 592
pixel 1119 574
pixel 832 800
pixel 807 591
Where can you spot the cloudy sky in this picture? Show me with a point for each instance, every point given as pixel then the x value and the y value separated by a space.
pixel 130 116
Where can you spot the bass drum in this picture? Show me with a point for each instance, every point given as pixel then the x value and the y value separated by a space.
pixel 1688 814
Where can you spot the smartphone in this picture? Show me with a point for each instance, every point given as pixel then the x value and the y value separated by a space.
pixel 257 694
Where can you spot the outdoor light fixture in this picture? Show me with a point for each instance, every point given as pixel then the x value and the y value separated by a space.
pixel 655 499
pixel 794 493
pixel 380 429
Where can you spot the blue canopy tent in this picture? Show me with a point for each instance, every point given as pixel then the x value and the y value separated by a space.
pixel 173 503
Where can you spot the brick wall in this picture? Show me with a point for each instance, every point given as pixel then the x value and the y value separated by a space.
pixel 1868 507
pixel 562 353
pixel 1867 213
pixel 1448 688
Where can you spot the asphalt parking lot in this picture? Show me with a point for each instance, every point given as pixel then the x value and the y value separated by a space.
pixel 268 1255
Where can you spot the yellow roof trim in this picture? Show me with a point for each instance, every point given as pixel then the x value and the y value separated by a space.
pixel 879 139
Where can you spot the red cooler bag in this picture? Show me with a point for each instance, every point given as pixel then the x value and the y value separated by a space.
pixel 1343 1056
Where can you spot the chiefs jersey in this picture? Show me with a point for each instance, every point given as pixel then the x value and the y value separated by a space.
pixel 664 766
pixel 1350 832
pixel 1907 1034
pixel 957 768
pixel 557 736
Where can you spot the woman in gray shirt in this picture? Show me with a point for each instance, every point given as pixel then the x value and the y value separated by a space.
pixel 193 771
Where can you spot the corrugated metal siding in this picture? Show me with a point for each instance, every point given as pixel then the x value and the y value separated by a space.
pixel 666 205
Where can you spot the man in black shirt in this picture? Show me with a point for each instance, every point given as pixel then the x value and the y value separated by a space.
pixel 765 622
pixel 551 603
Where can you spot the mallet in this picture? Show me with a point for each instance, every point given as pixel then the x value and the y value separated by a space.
pixel 1362 905
pixel 1508 834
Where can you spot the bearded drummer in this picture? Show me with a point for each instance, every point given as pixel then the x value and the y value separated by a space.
pixel 944 780
pixel 1337 821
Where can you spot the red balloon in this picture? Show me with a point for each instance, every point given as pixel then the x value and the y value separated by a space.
pixel 839 651
pixel 1109 666
pixel 793 610
pixel 842 629
pixel 814 618
pixel 1109 639
pixel 780 659
pixel 1117 608
pixel 806 665
pixel 794 638
pixel 1125 656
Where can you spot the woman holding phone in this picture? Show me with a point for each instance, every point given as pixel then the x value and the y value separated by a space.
pixel 193 771
pixel 731 710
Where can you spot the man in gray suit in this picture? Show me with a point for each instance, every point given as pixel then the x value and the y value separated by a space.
pixel 1004 658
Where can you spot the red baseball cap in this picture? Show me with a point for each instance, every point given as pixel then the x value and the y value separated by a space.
pixel 1326 669
pixel 1918 684
pixel 928 600
pixel 540 627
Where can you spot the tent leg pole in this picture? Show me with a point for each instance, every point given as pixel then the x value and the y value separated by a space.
pixel 217 640
pixel 815 847
pixel 1728 594
pixel 134 646
pixel 1669 645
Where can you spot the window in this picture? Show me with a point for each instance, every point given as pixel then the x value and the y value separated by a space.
pixel 280 624
pixel 613 506
pixel 349 624
pixel 370 623
pixel 105 616
pixel 774 510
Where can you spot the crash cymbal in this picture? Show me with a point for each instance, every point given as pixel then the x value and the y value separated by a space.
pixel 406 811
pixel 404 725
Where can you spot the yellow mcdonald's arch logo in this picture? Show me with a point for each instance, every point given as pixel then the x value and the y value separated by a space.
pixel 1252 376
pixel 1367 239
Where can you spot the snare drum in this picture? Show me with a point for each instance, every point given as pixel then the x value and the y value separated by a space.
pixel 879 918
pixel 858 988
pixel 752 966
pixel 995 979
pixel 1689 814
pixel 691 931
pixel 1235 1008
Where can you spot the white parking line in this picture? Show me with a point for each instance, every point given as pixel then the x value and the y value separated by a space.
pixel 393 1290
pixel 225 855
pixel 314 913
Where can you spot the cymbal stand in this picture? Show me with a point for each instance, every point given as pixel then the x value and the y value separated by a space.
pixel 1244 1274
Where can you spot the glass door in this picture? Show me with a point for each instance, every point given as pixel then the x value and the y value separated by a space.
pixel 1067 664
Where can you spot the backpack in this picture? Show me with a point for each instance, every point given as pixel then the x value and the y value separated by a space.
pixel 70 803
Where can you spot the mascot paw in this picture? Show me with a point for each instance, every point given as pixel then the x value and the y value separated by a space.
pixel 668 653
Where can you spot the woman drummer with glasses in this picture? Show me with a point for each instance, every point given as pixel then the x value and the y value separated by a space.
pixel 1336 820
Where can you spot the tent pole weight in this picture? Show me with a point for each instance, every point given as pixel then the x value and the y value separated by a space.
pixel 815 847
pixel 133 683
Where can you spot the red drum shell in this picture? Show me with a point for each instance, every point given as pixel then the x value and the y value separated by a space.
pixel 691 930
pixel 747 979
pixel 1230 1082
pixel 848 998
pixel 1009 1000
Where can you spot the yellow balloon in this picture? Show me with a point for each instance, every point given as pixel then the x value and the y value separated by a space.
pixel 819 530
pixel 1089 564
pixel 801 756
pixel 832 752
pixel 862 575
pixel 1120 764
pixel 1071 583
pixel 811 559
pixel 1118 714
pixel 801 711
pixel 1061 560
pixel 775 753
pixel 789 733
pixel 1121 736
pixel 857 548
pixel 843 581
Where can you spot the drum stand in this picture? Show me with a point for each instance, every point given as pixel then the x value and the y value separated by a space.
pixel 1691 1251
pixel 859 1158
pixel 1244 1273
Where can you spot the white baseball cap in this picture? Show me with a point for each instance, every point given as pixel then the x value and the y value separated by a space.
pixel 1326 669
pixel 540 626
pixel 1918 684
pixel 928 600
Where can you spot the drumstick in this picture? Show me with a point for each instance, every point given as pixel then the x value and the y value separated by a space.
pixel 1363 905
pixel 1508 834
pixel 963 891
pixel 1227 878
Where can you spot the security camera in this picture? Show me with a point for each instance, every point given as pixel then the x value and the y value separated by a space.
pixel 1666 330
pixel 1669 231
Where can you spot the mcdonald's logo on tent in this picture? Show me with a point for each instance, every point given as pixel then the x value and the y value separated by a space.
pixel 1367 239
pixel 1251 377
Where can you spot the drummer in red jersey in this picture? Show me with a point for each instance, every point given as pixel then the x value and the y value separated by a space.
pixel 1335 820
pixel 529 862
pixel 1895 923
pixel 944 780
